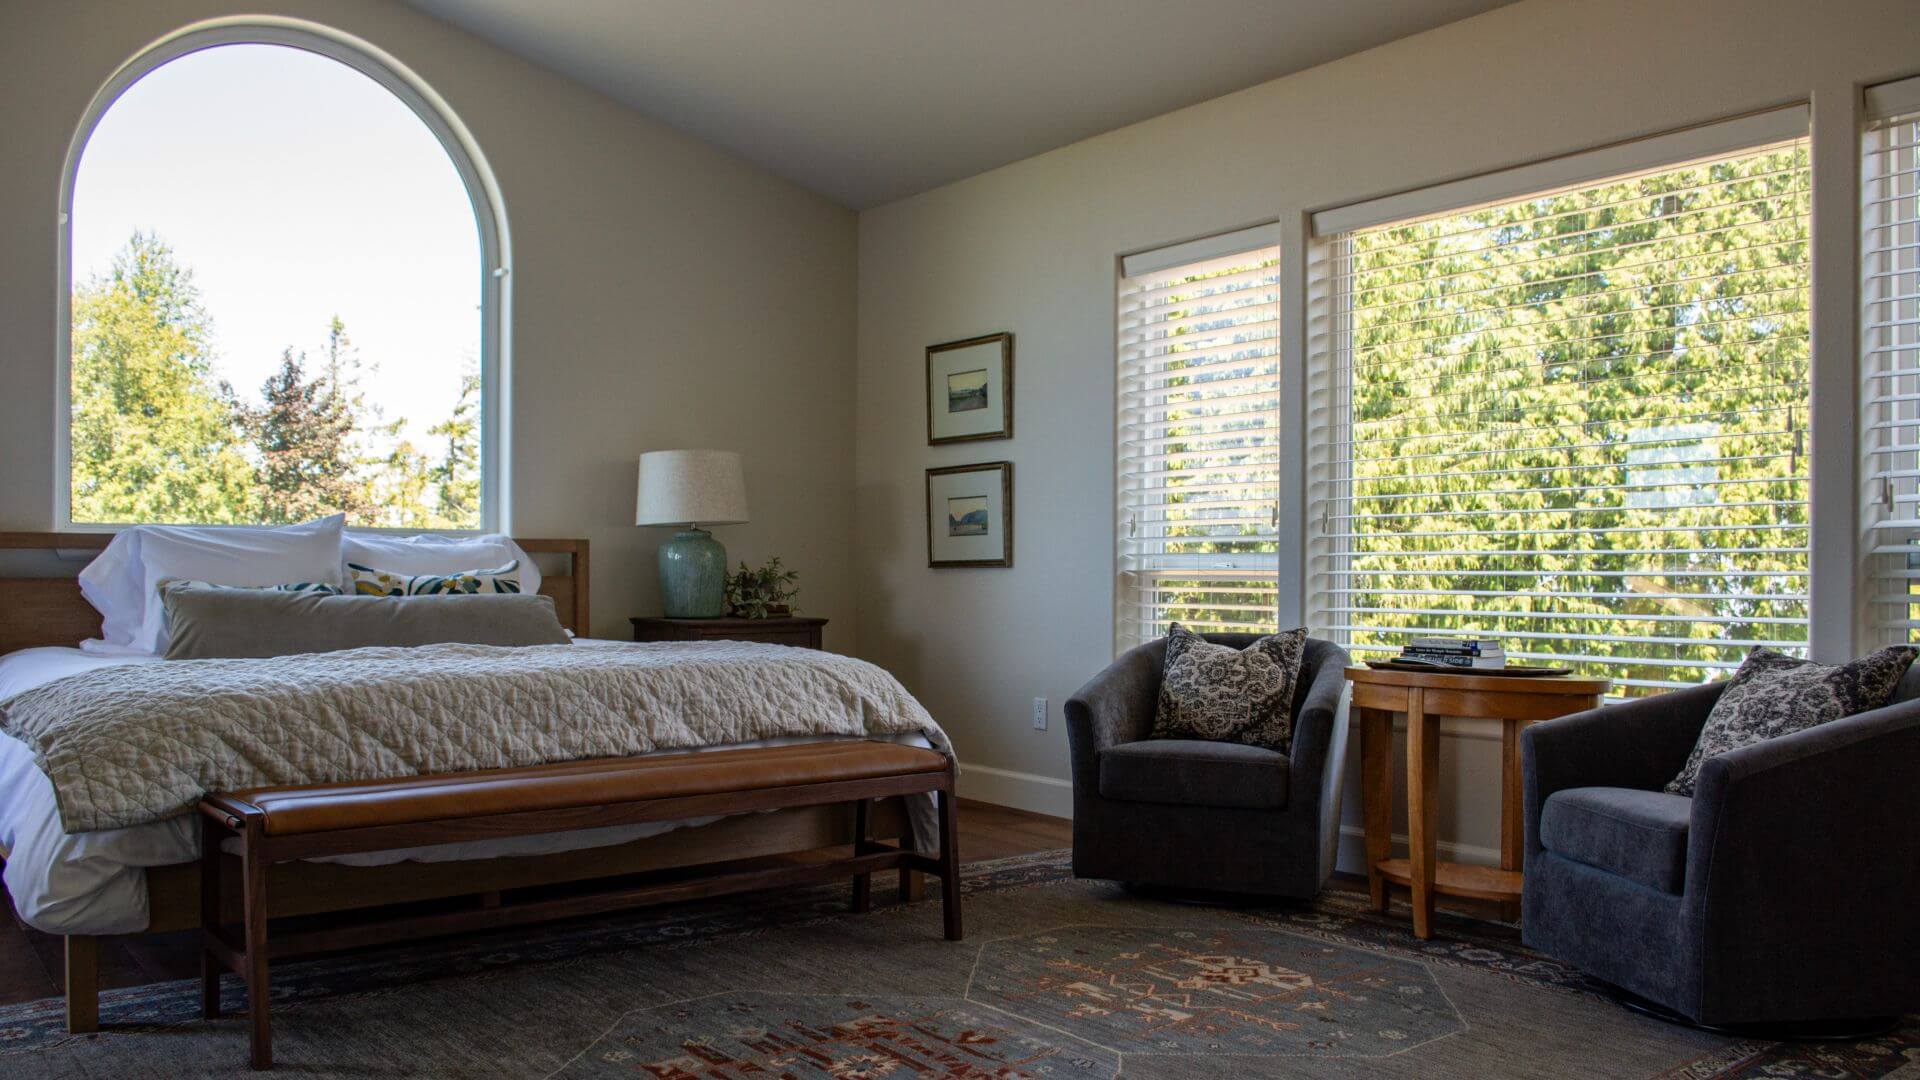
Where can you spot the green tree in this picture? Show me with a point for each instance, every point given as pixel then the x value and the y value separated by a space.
pixel 457 476
pixel 373 440
pixel 403 489
pixel 304 434
pixel 1578 426
pixel 155 437
pixel 1578 422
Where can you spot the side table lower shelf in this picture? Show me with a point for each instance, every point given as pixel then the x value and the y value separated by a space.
pixel 1458 879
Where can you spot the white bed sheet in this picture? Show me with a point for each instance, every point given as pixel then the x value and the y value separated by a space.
pixel 93 883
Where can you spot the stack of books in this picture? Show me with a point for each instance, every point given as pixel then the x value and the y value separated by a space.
pixel 1477 653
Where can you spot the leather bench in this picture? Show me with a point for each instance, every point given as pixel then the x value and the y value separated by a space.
pixel 315 820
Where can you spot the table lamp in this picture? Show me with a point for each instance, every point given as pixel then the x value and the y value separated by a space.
pixel 691 488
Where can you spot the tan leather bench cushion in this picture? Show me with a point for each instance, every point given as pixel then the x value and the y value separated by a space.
pixel 407 800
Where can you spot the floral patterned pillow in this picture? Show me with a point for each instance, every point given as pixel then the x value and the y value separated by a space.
pixel 1223 694
pixel 323 588
pixel 369 581
pixel 1774 694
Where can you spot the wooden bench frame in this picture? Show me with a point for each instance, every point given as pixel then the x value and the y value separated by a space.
pixel 47 609
pixel 247 955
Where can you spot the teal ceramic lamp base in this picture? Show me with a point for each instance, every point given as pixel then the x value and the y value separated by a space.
pixel 693 575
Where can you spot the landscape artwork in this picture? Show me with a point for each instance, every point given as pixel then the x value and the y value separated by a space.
pixel 970 390
pixel 970 515
pixel 967 516
pixel 967 391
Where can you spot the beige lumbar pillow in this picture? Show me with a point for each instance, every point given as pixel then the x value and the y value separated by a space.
pixel 209 622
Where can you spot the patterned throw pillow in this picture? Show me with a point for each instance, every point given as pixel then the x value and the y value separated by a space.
pixel 368 581
pixel 323 588
pixel 1223 694
pixel 1774 694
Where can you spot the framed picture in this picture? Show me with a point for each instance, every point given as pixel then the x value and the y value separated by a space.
pixel 970 390
pixel 970 515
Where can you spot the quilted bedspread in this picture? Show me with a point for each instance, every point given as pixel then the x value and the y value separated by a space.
pixel 138 743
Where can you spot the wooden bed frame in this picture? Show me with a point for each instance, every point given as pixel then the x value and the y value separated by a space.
pixel 40 611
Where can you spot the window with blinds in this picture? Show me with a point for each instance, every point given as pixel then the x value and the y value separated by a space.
pixel 1198 468
pixel 1890 361
pixel 1573 421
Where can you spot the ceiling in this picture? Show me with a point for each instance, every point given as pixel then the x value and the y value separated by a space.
pixel 867 101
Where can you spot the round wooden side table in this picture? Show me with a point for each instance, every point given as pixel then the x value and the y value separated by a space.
pixel 1424 697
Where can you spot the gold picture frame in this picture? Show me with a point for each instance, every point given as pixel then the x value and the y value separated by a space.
pixel 970 390
pixel 970 515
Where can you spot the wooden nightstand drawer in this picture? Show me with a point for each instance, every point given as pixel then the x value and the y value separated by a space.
pixel 792 630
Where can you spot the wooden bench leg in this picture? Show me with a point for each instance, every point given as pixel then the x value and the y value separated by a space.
pixel 83 983
pixel 950 864
pixel 913 886
pixel 862 841
pixel 210 966
pixel 253 858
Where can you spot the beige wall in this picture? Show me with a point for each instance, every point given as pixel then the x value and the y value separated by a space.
pixel 1031 248
pixel 664 293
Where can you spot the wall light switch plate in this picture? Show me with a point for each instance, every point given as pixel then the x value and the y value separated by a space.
pixel 1039 714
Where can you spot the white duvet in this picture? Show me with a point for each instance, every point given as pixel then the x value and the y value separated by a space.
pixel 93 882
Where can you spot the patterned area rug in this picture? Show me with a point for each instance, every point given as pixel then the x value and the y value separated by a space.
pixel 1057 978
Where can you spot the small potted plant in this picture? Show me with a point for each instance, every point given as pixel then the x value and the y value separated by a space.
pixel 766 593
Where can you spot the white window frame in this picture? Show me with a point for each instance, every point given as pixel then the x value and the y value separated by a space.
pixel 1831 613
pixel 1889 415
pixel 483 191
pixel 1128 502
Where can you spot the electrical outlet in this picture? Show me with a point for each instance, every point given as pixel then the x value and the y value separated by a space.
pixel 1039 714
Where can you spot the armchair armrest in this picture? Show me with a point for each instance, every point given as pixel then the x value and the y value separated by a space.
pixel 1638 744
pixel 1320 726
pixel 1804 856
pixel 1114 707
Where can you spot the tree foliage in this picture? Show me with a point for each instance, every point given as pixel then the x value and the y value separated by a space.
pixel 1578 425
pixel 304 436
pixel 157 437
pixel 457 476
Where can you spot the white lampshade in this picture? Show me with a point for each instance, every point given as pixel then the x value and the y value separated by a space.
pixel 691 487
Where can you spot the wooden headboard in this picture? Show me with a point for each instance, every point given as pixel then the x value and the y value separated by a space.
pixel 50 610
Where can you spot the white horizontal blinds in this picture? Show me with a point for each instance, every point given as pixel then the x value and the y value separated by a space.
pixel 1198 455
pixel 1890 362
pixel 1574 422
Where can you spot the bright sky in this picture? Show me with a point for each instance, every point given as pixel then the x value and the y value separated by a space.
pixel 297 189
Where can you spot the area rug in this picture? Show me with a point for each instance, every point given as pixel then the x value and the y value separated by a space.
pixel 1057 978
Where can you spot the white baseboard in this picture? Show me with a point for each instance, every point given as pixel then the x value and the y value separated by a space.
pixel 1022 791
pixel 1353 850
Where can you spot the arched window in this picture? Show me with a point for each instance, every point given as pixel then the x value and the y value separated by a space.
pixel 284 265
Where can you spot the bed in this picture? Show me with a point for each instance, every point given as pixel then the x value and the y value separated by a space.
pixel 143 879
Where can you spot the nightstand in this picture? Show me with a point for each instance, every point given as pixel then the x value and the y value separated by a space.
pixel 790 630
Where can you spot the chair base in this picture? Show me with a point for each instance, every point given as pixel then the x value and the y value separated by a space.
pixel 1784 1031
pixel 1206 897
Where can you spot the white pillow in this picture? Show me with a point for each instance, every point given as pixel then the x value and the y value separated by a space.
pixel 123 581
pixel 427 554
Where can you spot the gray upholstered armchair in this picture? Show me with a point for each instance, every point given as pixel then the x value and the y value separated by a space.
pixel 1781 892
pixel 1206 815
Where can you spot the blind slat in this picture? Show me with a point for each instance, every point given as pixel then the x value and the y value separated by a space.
pixel 1198 462
pixel 1574 421
pixel 1890 410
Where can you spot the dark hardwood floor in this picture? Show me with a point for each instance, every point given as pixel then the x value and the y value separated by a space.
pixel 31 962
